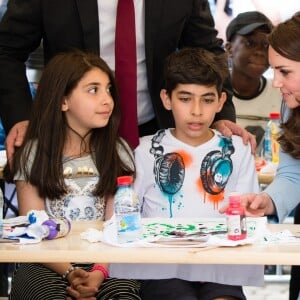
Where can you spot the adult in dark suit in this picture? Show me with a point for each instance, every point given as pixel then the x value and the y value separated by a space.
pixel 69 24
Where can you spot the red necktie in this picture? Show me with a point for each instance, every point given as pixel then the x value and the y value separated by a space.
pixel 125 68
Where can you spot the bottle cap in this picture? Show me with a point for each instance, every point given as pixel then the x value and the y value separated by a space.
pixel 52 229
pixel 123 180
pixel 55 228
pixel 274 115
pixel 234 197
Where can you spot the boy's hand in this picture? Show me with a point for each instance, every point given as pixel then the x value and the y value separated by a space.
pixel 228 128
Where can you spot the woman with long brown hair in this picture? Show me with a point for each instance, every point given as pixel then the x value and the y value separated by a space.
pixel 283 194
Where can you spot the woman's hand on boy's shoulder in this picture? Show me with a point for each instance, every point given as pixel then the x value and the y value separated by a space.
pixel 228 128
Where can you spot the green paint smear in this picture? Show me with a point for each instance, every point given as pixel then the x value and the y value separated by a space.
pixel 164 228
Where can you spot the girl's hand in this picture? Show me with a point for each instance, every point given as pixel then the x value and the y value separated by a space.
pixel 83 284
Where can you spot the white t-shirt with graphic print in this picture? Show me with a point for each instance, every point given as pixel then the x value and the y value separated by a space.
pixel 212 159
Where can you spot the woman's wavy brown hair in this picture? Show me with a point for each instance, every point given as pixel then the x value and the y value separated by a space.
pixel 285 40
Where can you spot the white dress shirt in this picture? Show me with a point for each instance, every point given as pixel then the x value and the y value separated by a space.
pixel 107 25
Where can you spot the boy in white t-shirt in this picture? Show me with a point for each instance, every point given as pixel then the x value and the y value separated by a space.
pixel 188 171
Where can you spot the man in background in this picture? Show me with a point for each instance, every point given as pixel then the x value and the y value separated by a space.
pixel 161 28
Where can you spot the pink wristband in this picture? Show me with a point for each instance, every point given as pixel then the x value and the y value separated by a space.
pixel 101 269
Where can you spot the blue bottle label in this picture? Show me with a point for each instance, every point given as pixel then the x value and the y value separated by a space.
pixel 129 222
pixel 129 227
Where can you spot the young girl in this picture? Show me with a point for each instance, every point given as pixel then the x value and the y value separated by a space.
pixel 68 166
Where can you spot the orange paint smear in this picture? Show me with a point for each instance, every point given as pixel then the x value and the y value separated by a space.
pixel 187 158
pixel 214 199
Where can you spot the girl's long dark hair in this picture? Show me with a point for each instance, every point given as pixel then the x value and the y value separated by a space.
pixel 284 39
pixel 47 131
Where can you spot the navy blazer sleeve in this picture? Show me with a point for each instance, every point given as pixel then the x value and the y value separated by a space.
pixel 26 23
pixel 19 35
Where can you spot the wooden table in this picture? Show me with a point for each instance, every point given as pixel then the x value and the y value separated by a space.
pixel 73 248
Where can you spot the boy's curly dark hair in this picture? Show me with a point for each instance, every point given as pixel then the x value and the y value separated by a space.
pixel 195 66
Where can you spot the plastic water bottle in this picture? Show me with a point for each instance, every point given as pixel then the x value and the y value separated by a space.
pixel 271 146
pixel 1 213
pixel 236 219
pixel 56 228
pixel 127 211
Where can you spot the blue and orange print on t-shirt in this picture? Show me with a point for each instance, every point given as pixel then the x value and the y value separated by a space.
pixel 169 170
